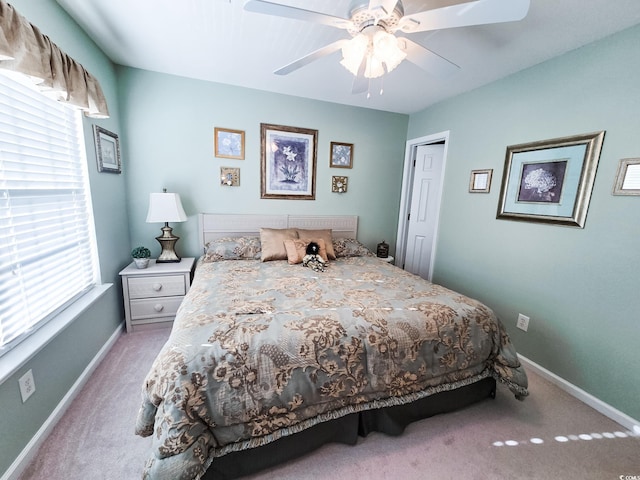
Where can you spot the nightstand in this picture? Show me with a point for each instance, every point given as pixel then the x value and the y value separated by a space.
pixel 152 295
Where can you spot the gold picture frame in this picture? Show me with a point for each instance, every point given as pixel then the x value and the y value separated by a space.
pixel 228 143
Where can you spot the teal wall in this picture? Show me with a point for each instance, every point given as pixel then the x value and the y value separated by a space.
pixel 169 123
pixel 60 363
pixel 579 286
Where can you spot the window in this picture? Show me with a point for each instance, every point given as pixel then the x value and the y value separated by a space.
pixel 48 256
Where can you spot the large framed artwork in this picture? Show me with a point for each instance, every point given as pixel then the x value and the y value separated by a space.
pixel 550 181
pixel 107 150
pixel 288 161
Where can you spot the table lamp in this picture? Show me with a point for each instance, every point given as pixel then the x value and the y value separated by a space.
pixel 166 207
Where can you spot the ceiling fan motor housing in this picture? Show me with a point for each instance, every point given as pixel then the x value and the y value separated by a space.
pixel 361 17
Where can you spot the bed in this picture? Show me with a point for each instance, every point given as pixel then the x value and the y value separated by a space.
pixel 268 358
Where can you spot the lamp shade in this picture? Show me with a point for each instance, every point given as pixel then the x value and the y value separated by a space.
pixel 165 207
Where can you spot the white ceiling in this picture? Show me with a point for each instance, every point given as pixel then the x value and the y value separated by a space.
pixel 217 40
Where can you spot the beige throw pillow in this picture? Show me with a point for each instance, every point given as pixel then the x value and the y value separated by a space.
pixel 272 242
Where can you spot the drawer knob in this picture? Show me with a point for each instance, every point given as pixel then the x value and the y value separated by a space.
pixel 158 307
pixel 157 287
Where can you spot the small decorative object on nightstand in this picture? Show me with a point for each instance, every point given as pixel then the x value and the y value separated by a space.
pixel 141 256
pixel 383 250
pixel 152 296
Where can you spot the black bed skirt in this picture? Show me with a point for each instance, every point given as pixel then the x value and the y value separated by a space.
pixel 389 420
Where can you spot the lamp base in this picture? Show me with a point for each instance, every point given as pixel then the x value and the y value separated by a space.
pixel 167 241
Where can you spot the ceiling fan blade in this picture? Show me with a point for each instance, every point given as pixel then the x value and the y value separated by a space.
pixel 311 57
pixel 427 60
pixel 268 8
pixel 479 12
pixel 360 82
pixel 382 7
pixel 360 85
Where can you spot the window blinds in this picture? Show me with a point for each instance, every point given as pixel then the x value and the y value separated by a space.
pixel 47 244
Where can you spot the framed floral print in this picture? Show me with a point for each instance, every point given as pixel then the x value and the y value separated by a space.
pixel 341 155
pixel 550 181
pixel 288 162
pixel 228 143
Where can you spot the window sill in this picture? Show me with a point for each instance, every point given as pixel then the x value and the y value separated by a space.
pixel 13 360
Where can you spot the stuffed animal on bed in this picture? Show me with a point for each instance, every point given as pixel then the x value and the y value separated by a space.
pixel 312 259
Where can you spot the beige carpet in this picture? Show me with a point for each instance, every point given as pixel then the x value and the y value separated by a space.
pixel 548 436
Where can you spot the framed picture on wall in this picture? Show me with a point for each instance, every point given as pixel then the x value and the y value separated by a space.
pixel 229 176
pixel 480 181
pixel 288 162
pixel 107 150
pixel 339 184
pixel 341 155
pixel 228 143
pixel 628 177
pixel 550 181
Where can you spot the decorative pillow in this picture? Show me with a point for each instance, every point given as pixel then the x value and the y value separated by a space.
pixel 350 247
pixel 232 248
pixel 297 249
pixel 272 242
pixel 326 235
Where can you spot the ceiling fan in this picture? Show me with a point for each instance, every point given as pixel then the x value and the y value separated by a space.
pixel 374 49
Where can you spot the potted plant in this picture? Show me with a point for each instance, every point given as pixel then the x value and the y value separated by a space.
pixel 141 256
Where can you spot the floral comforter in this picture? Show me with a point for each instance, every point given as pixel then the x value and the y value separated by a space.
pixel 262 350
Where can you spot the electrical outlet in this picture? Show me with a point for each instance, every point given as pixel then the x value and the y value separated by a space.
pixel 523 322
pixel 27 385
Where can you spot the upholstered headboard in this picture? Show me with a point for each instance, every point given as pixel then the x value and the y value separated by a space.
pixel 218 225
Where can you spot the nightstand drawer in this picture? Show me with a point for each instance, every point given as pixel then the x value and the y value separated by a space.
pixel 165 286
pixel 155 307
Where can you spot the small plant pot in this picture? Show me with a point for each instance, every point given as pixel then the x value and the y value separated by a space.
pixel 141 262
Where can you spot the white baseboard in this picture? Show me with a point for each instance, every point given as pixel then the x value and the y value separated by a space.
pixel 30 450
pixel 595 403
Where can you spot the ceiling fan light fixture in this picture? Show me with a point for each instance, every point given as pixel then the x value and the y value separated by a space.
pixel 353 52
pixel 386 49
pixel 380 51
pixel 374 68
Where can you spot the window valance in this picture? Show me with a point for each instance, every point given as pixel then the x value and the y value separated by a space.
pixel 24 49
